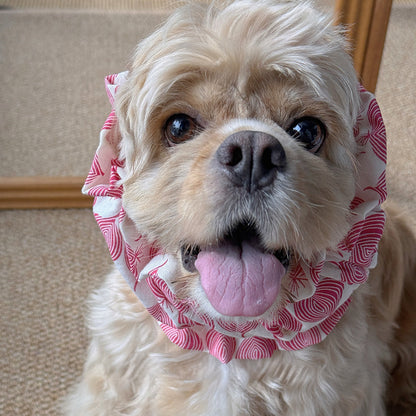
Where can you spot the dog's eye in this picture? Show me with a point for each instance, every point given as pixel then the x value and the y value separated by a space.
pixel 179 128
pixel 310 132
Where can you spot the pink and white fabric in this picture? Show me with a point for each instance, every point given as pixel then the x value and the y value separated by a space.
pixel 323 288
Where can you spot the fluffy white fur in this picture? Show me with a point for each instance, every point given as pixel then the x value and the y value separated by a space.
pixel 248 65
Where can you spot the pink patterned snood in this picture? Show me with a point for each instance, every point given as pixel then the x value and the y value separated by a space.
pixel 323 289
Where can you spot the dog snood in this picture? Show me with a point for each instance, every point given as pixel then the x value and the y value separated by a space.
pixel 322 288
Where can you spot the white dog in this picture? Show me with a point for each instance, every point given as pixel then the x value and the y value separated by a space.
pixel 238 184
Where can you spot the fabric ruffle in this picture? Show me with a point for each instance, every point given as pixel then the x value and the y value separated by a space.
pixel 323 289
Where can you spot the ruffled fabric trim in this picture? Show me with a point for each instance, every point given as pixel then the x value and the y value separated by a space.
pixel 323 289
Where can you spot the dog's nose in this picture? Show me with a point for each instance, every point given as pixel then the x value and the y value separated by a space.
pixel 251 159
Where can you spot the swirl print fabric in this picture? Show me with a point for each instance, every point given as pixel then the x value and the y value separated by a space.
pixel 323 288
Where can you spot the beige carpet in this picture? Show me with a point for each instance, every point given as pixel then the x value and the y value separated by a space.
pixel 396 94
pixel 50 260
pixel 52 105
pixel 52 75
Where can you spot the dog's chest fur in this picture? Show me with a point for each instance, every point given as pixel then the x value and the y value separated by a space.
pixel 156 378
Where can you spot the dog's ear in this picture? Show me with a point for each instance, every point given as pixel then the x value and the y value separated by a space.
pixel 132 113
pixel 125 120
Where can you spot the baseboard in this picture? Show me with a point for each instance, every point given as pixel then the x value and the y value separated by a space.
pixel 40 192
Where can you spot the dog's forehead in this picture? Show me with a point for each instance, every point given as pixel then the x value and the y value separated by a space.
pixel 239 77
pixel 264 95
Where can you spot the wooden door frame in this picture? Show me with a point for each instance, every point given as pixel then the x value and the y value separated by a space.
pixel 366 23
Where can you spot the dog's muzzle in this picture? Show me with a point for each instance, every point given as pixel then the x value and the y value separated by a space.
pixel 251 159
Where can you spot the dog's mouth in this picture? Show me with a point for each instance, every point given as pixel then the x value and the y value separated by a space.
pixel 239 277
pixel 236 236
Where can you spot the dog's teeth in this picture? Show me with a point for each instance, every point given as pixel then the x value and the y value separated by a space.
pixel 283 256
pixel 189 255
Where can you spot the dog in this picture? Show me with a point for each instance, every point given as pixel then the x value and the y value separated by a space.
pixel 239 186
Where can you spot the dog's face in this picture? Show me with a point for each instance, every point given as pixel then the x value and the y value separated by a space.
pixel 237 129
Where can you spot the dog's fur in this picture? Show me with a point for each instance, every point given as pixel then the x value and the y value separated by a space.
pixel 248 65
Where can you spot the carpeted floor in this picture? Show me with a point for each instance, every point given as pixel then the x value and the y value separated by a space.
pixel 57 83
pixel 52 105
pixel 50 261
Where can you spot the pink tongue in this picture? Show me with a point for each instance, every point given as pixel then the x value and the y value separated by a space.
pixel 239 280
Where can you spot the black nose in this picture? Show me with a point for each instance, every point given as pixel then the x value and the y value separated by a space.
pixel 251 159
